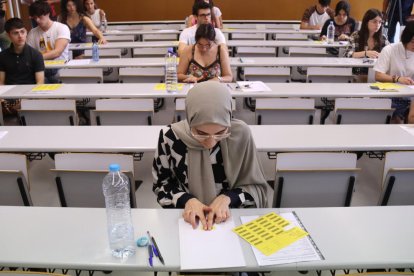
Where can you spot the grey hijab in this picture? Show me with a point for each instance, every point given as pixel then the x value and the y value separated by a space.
pixel 210 102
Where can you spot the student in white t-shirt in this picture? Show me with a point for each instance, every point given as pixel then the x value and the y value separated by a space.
pixel 315 17
pixel 216 16
pixel 49 37
pixel 396 64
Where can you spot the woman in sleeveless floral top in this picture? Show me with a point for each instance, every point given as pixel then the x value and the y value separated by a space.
pixel 205 60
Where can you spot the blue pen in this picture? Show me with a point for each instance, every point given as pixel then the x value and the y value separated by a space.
pixel 150 255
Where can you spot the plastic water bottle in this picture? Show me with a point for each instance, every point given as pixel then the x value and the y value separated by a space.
pixel 331 33
pixel 95 52
pixel 104 25
pixel 118 212
pixel 171 71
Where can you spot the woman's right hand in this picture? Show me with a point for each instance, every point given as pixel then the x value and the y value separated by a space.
pixel 195 209
pixel 191 79
pixel 372 54
pixel 406 80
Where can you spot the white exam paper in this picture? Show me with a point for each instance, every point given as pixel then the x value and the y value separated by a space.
pixel 253 86
pixel 299 251
pixel 79 62
pixel 2 134
pixel 5 88
pixel 218 248
pixel 409 129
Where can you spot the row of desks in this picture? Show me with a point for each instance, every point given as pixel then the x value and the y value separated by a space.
pixel 234 62
pixel 76 238
pixel 151 90
pixel 134 139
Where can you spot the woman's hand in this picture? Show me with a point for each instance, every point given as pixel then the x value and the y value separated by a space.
pixel 195 209
pixel 191 79
pixel 220 211
pixel 406 80
pixel 102 40
pixel 343 37
pixel 372 54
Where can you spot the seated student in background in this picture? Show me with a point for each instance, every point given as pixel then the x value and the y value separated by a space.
pixel 4 39
pixel 95 14
pixel 208 162
pixel 202 11
pixel 344 25
pixel 216 16
pixel 20 63
pixel 396 64
pixel 315 17
pixel 51 38
pixel 204 60
pixel 72 15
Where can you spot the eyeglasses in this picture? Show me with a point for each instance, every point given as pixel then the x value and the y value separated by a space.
pixel 204 15
pixel 202 137
pixel 204 46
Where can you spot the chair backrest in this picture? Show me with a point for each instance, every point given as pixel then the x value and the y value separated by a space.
pixel 124 111
pixel 48 112
pixel 89 75
pixel 79 177
pixel 105 53
pixel 267 74
pixel 314 179
pixel 307 52
pixel 329 74
pixel 362 111
pixel 141 74
pixel 284 111
pixel 149 52
pixel 14 185
pixel 256 51
pixel 398 179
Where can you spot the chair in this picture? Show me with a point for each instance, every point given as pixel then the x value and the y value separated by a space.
pixel 48 112
pixel 267 74
pixel 14 187
pixel 329 74
pixel 79 177
pixel 398 179
pixel 286 111
pixel 314 179
pixel 141 74
pixel 362 111
pixel 149 52
pixel 124 112
pixel 89 75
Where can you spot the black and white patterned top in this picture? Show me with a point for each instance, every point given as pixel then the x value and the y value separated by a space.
pixel 169 171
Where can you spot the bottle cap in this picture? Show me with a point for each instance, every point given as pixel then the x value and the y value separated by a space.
pixel 114 167
pixel 142 241
pixel 171 50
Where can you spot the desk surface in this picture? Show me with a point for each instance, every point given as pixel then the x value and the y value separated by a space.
pixel 352 237
pixel 234 62
pixel 230 43
pixel 147 90
pixel 130 139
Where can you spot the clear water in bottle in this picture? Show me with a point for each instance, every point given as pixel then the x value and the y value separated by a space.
pixel 171 81
pixel 104 25
pixel 118 211
pixel 331 33
pixel 95 52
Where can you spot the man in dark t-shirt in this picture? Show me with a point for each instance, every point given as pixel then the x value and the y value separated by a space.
pixel 20 63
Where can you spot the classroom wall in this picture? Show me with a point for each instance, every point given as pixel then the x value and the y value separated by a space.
pixel 137 10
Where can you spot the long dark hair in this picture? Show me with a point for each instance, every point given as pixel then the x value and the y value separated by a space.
pixel 64 10
pixel 364 32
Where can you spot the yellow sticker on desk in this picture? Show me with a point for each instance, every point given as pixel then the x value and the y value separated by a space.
pixel 267 233
pixel 161 86
pixel 386 86
pixel 46 87
pixel 89 44
pixel 54 62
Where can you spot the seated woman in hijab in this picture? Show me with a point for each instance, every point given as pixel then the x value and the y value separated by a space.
pixel 208 162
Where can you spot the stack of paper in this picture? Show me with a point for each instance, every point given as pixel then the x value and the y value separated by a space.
pixel 385 86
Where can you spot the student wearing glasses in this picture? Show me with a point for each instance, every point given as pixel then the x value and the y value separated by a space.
pixel 216 18
pixel 205 60
pixel 396 64
pixel 208 162
pixel 202 11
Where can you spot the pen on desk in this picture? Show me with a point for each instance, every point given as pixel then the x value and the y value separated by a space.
pixel 229 86
pixel 150 255
pixel 157 251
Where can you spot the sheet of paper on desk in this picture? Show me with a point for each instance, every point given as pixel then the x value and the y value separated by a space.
pixel 409 129
pixel 302 250
pixel 2 134
pixel 218 248
pixel 411 86
pixel 45 88
pixel 253 86
pixel 4 88
pixel 79 62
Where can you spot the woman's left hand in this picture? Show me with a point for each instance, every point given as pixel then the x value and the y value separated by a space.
pixel 220 211
pixel 102 41
pixel 343 37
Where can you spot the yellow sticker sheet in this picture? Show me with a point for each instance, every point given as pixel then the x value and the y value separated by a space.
pixel 161 86
pixel 269 234
pixel 385 86
pixel 55 62
pixel 46 87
